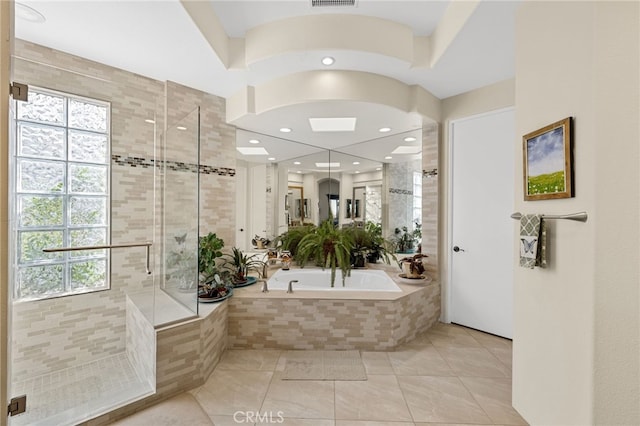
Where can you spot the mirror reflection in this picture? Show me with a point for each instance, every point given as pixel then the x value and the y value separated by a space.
pixel 290 184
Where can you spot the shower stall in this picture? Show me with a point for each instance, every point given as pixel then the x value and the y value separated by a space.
pixel 106 171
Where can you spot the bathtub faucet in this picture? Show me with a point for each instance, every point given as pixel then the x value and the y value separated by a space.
pixel 290 288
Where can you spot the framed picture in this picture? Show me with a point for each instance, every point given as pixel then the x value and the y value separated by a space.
pixel 548 168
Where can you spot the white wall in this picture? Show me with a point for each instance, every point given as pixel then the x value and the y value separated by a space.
pixel 576 324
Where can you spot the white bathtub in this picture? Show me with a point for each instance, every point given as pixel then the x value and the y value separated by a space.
pixel 317 279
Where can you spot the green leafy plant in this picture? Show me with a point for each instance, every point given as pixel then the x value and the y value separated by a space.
pixel 289 240
pixel 379 248
pixel 413 265
pixel 405 240
pixel 330 245
pixel 240 264
pixel 209 250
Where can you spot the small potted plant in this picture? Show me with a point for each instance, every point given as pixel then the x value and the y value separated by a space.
pixel 412 267
pixel 209 251
pixel 405 240
pixel 260 242
pixel 214 290
pixel 240 264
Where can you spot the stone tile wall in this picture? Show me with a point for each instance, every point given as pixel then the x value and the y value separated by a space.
pixel 186 355
pixel 332 324
pixel 62 332
pixel 430 205
pixel 141 344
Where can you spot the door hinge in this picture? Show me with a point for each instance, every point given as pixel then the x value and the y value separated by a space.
pixel 17 405
pixel 19 91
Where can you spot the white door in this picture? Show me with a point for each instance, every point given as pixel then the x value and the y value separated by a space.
pixel 241 208
pixel 481 234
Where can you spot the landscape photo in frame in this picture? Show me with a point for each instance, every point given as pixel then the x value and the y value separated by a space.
pixel 547 170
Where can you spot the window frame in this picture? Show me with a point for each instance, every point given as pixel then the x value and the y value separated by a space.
pixel 66 259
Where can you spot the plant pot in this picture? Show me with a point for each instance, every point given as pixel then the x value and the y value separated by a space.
pixel 406 269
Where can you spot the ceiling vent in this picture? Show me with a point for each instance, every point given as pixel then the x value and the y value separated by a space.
pixel 332 3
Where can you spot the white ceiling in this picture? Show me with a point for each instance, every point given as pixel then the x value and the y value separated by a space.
pixel 158 39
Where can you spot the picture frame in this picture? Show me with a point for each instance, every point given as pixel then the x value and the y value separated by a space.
pixel 548 162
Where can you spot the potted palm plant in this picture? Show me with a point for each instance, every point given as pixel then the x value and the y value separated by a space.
pixel 328 245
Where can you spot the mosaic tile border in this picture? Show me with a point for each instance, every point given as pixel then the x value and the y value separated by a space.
pixel 176 166
pixel 400 191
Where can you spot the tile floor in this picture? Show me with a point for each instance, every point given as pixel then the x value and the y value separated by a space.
pixel 449 375
pixel 71 395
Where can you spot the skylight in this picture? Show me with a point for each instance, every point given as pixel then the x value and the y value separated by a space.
pixel 327 165
pixel 407 149
pixel 250 150
pixel 334 124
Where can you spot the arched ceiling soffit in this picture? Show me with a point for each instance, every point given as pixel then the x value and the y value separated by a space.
pixel 329 85
pixel 376 46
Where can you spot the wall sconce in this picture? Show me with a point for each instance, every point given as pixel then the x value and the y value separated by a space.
pixel 429 173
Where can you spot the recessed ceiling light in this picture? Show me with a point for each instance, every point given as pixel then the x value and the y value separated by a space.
pixel 357 171
pixel 378 168
pixel 181 128
pixel 285 130
pixel 333 124
pixel 299 171
pixel 271 158
pixel 27 13
pixel 247 150
pixel 254 141
pixel 388 157
pixel 297 163
pixel 384 129
pixel 355 163
pixel 409 139
pixel 407 149
pixel 328 60
pixel 327 165
pixel 150 121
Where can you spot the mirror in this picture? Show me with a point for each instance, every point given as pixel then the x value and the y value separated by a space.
pixel 378 180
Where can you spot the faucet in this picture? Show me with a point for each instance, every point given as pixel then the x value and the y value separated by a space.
pixel 290 288
pixel 264 289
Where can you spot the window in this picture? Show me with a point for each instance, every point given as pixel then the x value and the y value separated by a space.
pixel 61 172
pixel 417 197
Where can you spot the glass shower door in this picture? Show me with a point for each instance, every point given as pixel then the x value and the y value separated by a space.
pixel 178 181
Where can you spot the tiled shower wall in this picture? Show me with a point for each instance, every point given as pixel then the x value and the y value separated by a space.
pixel 430 198
pixel 62 332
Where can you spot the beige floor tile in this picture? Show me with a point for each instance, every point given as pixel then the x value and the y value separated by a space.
pixel 504 355
pixel 249 360
pixel 179 410
pixel 230 421
pixel 451 336
pixel 441 399
pixel 370 423
pixel 494 396
pixel 378 398
pixel 376 363
pixel 447 424
pixel 490 341
pixel 307 399
pixel 419 361
pixel 228 391
pixel 306 422
pixel 475 362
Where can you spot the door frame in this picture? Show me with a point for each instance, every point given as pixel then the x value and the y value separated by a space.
pixel 448 243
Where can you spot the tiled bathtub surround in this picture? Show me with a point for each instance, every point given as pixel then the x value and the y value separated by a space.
pixel 320 320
